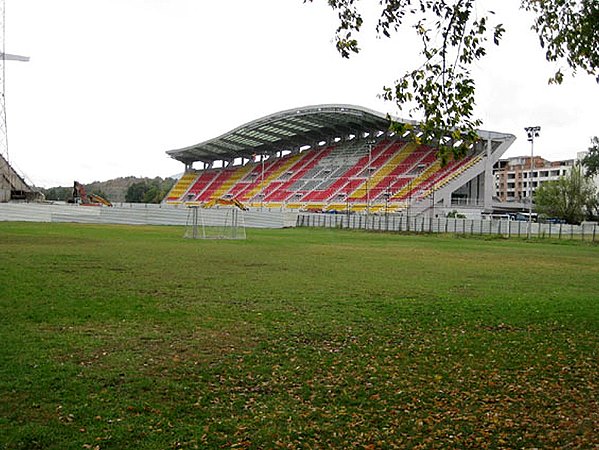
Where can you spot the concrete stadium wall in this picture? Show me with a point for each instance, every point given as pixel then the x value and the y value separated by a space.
pixel 135 214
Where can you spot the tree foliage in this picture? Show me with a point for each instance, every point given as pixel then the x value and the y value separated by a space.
pixel 573 197
pixel 454 35
pixel 591 160
pixel 59 193
pixel 568 30
pixel 149 192
pixel 135 192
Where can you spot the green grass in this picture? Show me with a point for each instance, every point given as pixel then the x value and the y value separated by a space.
pixel 131 337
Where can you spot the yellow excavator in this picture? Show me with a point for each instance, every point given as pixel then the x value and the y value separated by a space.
pixel 225 202
pixel 82 198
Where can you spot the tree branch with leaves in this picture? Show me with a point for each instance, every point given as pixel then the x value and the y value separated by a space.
pixel 591 160
pixel 453 38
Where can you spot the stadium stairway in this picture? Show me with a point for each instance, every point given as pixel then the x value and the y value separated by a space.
pixel 252 179
pixel 449 175
pixel 309 160
pixel 181 187
pixel 212 189
pixel 343 184
pixel 278 169
pixel 301 170
pixel 201 183
pixel 237 175
pixel 377 182
pixel 467 169
pixel 412 187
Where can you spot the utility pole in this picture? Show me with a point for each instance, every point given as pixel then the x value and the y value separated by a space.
pixel 3 136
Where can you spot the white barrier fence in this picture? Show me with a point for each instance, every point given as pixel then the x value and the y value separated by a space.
pixel 149 214
pixel 134 214
pixel 396 223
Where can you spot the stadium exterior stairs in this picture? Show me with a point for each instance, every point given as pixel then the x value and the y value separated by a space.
pixel 463 171
pixel 450 172
pixel 413 186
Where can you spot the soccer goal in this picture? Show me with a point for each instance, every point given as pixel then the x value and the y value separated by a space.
pixel 222 223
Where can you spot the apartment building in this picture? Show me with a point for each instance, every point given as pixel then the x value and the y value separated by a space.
pixel 513 175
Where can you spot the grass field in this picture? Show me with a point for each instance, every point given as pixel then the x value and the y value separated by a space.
pixel 119 337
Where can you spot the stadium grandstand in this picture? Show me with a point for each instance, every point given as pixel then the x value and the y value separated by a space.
pixel 13 186
pixel 337 159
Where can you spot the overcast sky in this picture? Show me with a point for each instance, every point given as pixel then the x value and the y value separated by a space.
pixel 113 84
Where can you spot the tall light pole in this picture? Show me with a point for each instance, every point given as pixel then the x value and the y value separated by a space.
pixel 532 133
pixel 368 181
pixel 11 175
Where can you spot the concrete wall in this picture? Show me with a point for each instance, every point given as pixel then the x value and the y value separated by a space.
pixel 135 214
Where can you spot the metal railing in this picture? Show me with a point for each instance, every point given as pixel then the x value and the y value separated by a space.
pixel 421 224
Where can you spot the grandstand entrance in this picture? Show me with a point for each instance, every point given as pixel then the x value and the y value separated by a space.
pixel 222 223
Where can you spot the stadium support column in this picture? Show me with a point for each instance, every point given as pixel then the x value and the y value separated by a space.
pixel 368 181
pixel 489 184
pixel 262 182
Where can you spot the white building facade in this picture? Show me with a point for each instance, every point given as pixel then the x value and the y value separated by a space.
pixel 514 181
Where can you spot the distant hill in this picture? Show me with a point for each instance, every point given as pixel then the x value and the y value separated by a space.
pixel 113 190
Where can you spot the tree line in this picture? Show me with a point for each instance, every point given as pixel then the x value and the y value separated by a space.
pixel 132 190
pixel 149 192
pixel 573 197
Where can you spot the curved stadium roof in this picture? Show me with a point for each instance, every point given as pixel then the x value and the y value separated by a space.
pixel 285 130
pixel 293 128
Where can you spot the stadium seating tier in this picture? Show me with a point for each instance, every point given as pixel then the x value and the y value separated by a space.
pixel 353 175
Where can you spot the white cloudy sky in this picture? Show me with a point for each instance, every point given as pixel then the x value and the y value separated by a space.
pixel 113 84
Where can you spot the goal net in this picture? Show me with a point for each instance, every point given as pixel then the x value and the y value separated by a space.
pixel 221 223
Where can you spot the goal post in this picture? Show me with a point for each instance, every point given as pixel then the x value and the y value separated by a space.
pixel 215 223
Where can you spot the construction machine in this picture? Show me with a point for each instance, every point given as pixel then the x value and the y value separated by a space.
pixel 82 198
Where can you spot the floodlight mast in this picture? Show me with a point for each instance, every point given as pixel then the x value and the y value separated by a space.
pixel 532 133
